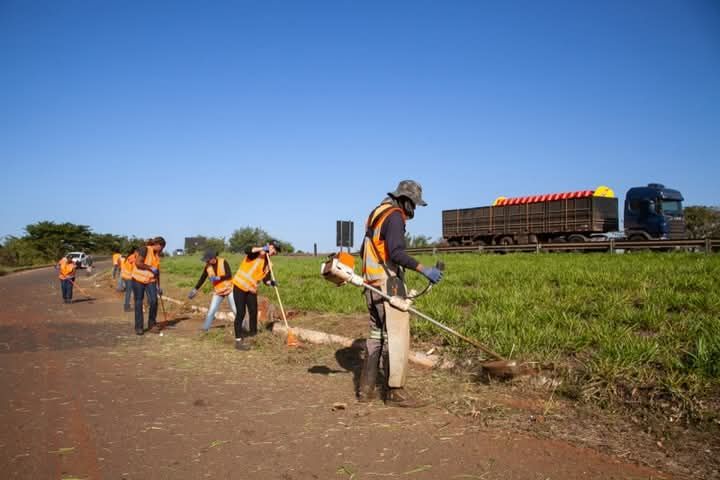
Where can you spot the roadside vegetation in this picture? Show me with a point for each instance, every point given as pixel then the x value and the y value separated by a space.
pixel 640 330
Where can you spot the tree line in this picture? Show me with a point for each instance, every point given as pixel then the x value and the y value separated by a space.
pixel 237 243
pixel 46 242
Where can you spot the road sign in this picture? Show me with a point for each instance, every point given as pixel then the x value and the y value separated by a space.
pixel 345 231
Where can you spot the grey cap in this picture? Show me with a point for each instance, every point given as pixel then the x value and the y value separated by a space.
pixel 209 255
pixel 410 189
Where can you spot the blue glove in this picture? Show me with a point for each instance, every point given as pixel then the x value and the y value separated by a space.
pixel 160 291
pixel 192 293
pixel 215 279
pixel 433 274
pixel 155 271
pixel 266 248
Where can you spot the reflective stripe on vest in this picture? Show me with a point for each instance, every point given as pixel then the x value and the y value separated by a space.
pixel 372 267
pixel 127 267
pixel 249 274
pixel 67 269
pixel 223 287
pixel 146 276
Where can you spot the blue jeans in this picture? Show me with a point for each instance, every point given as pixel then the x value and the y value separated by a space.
pixel 215 306
pixel 128 290
pixel 116 270
pixel 139 290
pixel 66 287
pixel 120 284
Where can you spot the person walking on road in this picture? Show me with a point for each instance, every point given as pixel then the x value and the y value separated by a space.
pixel 384 261
pixel 146 282
pixel 66 272
pixel 126 271
pixel 252 270
pixel 218 271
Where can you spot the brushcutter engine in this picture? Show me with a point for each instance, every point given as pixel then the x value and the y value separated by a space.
pixel 339 269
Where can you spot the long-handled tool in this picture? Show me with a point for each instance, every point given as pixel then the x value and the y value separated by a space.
pixel 81 290
pixel 292 340
pixel 340 273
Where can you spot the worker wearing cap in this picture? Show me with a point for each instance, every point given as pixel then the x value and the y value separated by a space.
pixel 218 271
pixel 384 260
pixel 252 270
pixel 146 281
pixel 66 272
pixel 127 265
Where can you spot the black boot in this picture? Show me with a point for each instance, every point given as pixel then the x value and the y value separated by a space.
pixel 368 377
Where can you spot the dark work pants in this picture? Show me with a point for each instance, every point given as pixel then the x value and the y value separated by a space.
pixel 243 299
pixel 66 286
pixel 128 291
pixel 139 291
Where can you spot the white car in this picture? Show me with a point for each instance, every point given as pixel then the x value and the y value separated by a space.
pixel 80 258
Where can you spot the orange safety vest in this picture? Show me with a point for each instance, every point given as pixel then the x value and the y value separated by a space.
pixel 374 254
pixel 116 258
pixel 223 287
pixel 250 273
pixel 127 267
pixel 67 269
pixel 146 276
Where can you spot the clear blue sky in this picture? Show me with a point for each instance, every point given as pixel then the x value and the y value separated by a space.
pixel 180 118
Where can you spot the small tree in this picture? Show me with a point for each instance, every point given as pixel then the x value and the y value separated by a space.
pixel 252 237
pixel 703 222
pixel 418 241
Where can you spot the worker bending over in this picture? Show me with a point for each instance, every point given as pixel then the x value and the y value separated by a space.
pixel 218 271
pixel 146 281
pixel 66 272
pixel 384 260
pixel 252 270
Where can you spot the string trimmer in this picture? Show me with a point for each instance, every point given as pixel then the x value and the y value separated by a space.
pixel 339 269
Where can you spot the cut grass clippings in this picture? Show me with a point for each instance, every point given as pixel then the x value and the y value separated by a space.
pixel 640 329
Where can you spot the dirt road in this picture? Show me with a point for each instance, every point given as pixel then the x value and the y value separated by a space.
pixel 83 397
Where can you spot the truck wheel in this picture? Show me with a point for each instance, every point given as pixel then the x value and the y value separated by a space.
pixel 577 238
pixel 508 240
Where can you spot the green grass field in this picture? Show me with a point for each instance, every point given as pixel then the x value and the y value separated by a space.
pixel 638 327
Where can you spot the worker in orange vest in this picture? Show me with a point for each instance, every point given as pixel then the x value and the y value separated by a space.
pixel 146 281
pixel 252 270
pixel 218 271
pixel 116 263
pixel 384 260
pixel 66 272
pixel 127 265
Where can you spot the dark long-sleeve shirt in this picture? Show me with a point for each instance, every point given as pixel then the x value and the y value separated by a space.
pixel 393 234
pixel 203 277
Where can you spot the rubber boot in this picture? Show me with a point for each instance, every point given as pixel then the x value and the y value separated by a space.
pixel 399 397
pixel 368 377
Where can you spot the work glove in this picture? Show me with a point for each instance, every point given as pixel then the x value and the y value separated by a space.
pixel 155 271
pixel 266 248
pixel 273 283
pixel 215 279
pixel 160 291
pixel 433 274
pixel 192 293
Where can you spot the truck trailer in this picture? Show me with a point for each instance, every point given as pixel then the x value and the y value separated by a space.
pixel 650 213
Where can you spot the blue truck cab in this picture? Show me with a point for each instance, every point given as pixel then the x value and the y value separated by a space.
pixel 654 212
